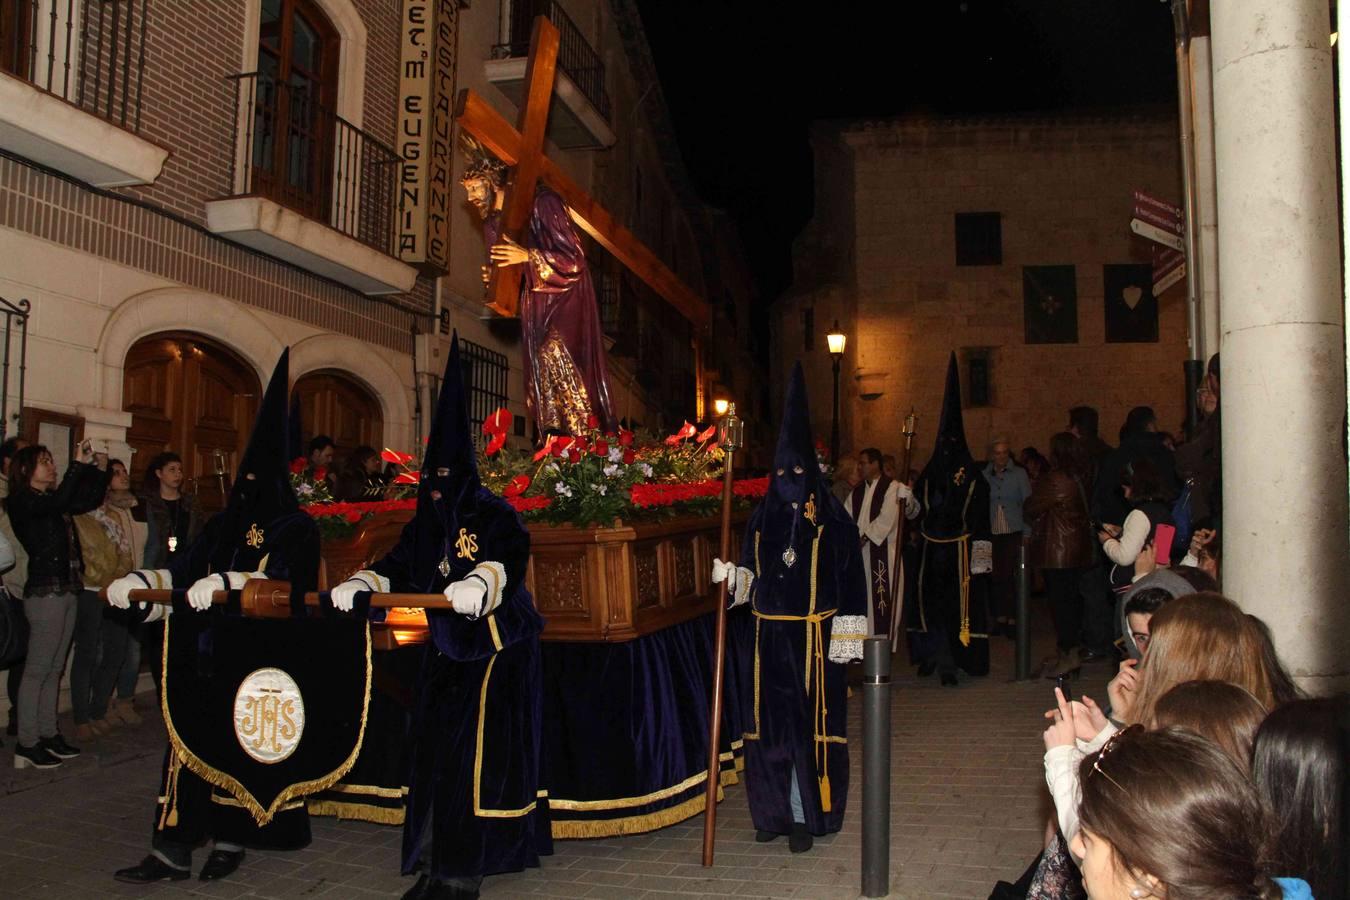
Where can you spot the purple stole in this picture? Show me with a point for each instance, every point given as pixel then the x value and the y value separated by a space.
pixel 879 579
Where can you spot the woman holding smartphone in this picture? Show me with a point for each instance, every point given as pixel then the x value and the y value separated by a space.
pixel 41 514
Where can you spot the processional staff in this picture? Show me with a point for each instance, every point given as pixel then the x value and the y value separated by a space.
pixel 897 589
pixel 731 435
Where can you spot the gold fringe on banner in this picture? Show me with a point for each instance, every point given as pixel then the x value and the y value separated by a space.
pixel 225 782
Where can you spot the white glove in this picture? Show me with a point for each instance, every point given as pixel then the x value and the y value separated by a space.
pixel 466 597
pixel 344 595
pixel 120 590
pixel 902 491
pixel 725 571
pixel 199 595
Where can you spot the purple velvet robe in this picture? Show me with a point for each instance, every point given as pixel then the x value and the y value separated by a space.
pixel 559 296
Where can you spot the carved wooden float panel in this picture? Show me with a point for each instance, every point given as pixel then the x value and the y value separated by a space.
pixel 589 584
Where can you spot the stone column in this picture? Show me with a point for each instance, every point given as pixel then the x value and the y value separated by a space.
pixel 1285 554
pixel 1206 211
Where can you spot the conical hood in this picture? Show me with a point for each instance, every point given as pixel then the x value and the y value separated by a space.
pixel 262 491
pixel 951 451
pixel 450 466
pixel 794 479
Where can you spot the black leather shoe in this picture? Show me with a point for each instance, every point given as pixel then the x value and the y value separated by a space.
pixel 221 864
pixel 800 840
pixel 58 747
pixel 926 669
pixel 418 890
pixel 151 869
pixel 763 837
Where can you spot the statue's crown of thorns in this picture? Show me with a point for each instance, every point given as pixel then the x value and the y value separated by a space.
pixel 479 162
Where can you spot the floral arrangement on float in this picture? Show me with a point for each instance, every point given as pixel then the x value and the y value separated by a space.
pixel 593 478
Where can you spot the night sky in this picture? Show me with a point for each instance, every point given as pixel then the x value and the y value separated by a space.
pixel 744 80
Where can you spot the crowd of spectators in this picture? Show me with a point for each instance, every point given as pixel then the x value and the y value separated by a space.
pixel 62 540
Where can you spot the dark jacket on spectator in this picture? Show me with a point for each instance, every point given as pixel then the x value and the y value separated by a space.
pixel 1057 511
pixel 1108 503
pixel 42 523
pixel 161 527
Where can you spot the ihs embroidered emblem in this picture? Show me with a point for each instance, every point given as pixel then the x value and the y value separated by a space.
pixel 254 536
pixel 810 513
pixel 467 545
pixel 960 476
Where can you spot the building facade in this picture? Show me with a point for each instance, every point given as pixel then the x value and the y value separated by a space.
pixel 1004 240
pixel 185 188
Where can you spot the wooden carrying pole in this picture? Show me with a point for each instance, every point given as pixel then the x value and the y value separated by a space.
pixel 731 438
pixel 267 599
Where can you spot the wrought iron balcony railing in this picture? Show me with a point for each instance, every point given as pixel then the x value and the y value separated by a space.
pixel 576 57
pixel 90 53
pixel 295 151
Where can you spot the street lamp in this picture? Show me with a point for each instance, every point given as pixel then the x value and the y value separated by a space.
pixel 836 340
pixel 720 406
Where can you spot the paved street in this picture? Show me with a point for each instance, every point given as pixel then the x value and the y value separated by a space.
pixel 968 807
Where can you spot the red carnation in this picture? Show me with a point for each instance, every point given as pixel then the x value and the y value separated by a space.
pixel 601 448
pixel 628 457
pixel 353 517
pixel 574 455
pixel 581 443
pixel 625 438
pixel 320 473
pixel 592 422
pixel 298 465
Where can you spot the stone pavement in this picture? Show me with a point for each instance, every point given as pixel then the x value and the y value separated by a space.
pixel 967 799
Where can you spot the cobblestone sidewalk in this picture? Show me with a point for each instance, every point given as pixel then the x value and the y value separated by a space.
pixel 967 801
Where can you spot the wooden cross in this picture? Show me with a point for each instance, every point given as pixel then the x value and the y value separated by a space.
pixel 522 146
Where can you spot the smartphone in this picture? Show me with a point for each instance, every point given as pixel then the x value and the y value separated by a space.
pixel 1163 536
pixel 1065 685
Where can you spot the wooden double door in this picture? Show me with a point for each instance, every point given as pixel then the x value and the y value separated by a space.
pixel 333 404
pixel 194 397
pixel 191 395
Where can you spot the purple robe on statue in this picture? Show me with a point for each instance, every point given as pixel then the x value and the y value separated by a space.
pixel 566 377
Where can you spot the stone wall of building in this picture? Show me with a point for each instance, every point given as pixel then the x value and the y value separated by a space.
pixel 1063 189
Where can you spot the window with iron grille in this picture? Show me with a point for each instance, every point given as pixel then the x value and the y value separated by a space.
pixel 485 373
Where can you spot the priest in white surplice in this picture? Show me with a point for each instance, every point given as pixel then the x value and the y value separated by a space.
pixel 875 506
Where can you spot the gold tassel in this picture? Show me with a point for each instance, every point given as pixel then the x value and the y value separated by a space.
pixel 825 803
pixel 169 813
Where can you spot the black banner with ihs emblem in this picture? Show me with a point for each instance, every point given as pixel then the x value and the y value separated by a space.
pixel 268 710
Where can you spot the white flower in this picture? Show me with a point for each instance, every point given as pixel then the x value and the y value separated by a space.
pixel 600 489
pixel 616 454
pixel 646 469
pixel 611 471
pixel 304 490
pixel 562 490
pixel 550 469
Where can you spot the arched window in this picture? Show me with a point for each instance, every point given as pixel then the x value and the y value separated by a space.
pixel 295 94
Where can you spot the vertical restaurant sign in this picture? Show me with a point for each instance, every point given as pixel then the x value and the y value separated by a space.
pixel 426 85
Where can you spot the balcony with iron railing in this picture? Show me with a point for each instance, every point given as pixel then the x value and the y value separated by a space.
pixel 581 120
pixel 311 188
pixel 71 79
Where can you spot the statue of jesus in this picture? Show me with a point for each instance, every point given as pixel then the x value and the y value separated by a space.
pixel 566 377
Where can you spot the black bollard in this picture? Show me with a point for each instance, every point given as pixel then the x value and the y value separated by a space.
pixel 876 784
pixel 1023 671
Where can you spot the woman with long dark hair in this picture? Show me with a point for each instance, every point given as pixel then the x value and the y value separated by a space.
pixel 1300 763
pixel 41 512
